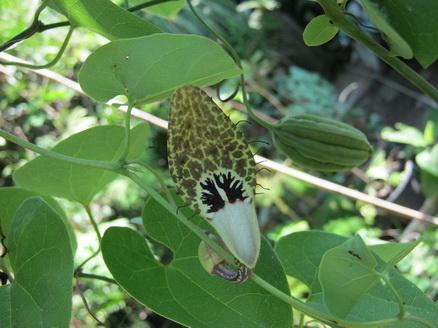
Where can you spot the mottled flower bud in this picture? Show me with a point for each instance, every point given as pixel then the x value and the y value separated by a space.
pixel 214 170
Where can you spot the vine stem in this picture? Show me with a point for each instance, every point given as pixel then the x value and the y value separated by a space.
pixel 159 179
pixel 95 276
pixel 87 306
pixel 127 132
pixel 52 62
pixel 238 62
pixel 294 302
pixel 99 237
pixel 335 13
pixel 112 166
pixel 31 30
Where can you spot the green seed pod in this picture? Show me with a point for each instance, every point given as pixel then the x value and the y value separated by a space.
pixel 322 144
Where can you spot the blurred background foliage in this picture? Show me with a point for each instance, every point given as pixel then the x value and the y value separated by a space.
pixel 341 80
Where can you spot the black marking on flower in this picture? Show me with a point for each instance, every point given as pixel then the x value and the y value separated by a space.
pixel 211 197
pixel 232 187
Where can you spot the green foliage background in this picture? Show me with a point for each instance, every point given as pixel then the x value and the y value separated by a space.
pixel 45 111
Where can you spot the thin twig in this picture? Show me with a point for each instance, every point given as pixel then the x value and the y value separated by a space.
pixel 253 85
pixel 87 307
pixel 98 235
pixel 50 63
pixel 31 30
pixel 148 4
pixel 95 276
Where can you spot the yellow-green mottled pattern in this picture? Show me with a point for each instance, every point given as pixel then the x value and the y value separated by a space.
pixel 203 140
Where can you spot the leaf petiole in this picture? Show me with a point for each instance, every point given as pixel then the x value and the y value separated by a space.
pixel 110 166
pixel 49 64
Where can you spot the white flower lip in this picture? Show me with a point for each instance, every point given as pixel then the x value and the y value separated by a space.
pixel 236 223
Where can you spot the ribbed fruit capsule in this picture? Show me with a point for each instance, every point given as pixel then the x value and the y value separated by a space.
pixel 322 144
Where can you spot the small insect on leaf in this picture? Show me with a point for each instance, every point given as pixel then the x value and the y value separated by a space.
pixel 214 170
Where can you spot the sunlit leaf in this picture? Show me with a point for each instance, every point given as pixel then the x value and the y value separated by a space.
pixel 105 18
pixel 152 67
pixel 75 182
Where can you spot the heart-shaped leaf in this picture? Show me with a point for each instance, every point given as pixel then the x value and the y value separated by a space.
pixel 42 261
pixel 12 197
pixel 378 303
pixel 150 68
pixel 104 17
pixel 75 182
pixel 182 290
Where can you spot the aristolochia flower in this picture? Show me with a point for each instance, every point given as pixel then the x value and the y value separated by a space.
pixel 214 170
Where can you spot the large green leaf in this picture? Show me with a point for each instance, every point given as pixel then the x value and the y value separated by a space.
pixel 12 197
pixel 399 47
pixel 376 304
pixel 415 21
pixel 150 68
pixel 182 290
pixel 42 261
pixel 75 182
pixel 105 18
